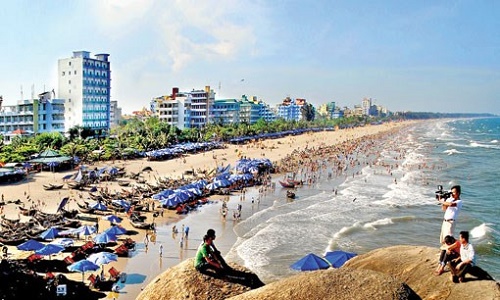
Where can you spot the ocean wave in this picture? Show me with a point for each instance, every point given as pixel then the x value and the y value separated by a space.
pixel 479 145
pixel 458 145
pixel 480 231
pixel 387 221
pixel 494 142
pixel 452 151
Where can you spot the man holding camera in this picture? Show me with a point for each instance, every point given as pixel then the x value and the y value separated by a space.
pixel 451 207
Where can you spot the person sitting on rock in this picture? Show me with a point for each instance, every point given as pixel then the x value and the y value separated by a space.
pixel 215 251
pixel 450 250
pixel 466 263
pixel 205 261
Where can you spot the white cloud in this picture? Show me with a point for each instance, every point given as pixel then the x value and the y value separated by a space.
pixel 208 30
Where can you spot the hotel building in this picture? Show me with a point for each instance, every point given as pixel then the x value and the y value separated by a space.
pixel 85 83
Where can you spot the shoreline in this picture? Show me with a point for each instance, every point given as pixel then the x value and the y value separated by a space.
pixel 198 221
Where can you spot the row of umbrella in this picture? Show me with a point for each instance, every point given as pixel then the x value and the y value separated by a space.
pixel 312 262
pixel 57 245
pixel 92 263
pixel 85 230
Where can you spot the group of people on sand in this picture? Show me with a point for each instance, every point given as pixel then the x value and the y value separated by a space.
pixel 458 254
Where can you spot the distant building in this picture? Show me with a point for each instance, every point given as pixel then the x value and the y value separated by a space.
pixel 266 112
pixel 249 111
pixel 226 112
pixel 32 116
pixel 366 104
pixel 202 102
pixel 174 109
pixel 85 83
pixel 115 114
pixel 289 109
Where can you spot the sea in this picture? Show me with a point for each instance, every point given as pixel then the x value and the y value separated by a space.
pixel 387 198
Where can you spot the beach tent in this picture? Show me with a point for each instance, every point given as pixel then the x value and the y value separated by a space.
pixel 338 258
pixel 310 262
pixel 49 156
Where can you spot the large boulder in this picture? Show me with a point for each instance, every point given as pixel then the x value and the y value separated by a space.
pixel 334 284
pixel 399 272
pixel 184 282
pixel 415 265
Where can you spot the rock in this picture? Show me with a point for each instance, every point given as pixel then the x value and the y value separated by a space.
pixel 398 272
pixel 334 284
pixel 415 265
pixel 184 282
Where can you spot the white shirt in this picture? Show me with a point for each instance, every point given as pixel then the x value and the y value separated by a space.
pixel 467 252
pixel 451 212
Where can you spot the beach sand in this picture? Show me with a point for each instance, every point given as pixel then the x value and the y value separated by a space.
pixel 146 262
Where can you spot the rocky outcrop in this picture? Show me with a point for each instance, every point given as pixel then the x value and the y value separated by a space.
pixel 399 272
pixel 415 266
pixel 334 284
pixel 184 282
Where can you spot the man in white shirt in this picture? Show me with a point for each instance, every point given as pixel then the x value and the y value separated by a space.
pixel 451 208
pixel 462 265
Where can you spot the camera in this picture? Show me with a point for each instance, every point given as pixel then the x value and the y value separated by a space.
pixel 440 194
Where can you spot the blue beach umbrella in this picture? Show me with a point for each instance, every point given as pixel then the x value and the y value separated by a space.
pixel 122 203
pixel 82 266
pixel 116 230
pixel 113 219
pixel 102 258
pixel 49 249
pixel 30 245
pixel 310 262
pixel 49 234
pixel 86 230
pixel 64 242
pixel 98 206
pixel 104 238
pixel 338 258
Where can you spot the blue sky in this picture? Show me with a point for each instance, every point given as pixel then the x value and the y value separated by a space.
pixel 439 56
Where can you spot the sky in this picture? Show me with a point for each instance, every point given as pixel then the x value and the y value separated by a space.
pixel 430 56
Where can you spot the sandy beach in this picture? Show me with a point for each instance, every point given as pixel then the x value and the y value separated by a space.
pixel 143 266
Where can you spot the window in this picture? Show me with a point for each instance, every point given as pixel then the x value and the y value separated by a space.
pixel 63 73
pixel 70 63
pixel 69 81
pixel 75 72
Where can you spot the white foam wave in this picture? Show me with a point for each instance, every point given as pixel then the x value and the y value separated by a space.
pixel 480 231
pixel 377 223
pixel 452 151
pixel 494 142
pixel 479 145
pixel 458 145
pixel 347 230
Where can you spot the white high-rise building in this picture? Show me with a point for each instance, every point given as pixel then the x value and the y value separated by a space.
pixel 85 83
